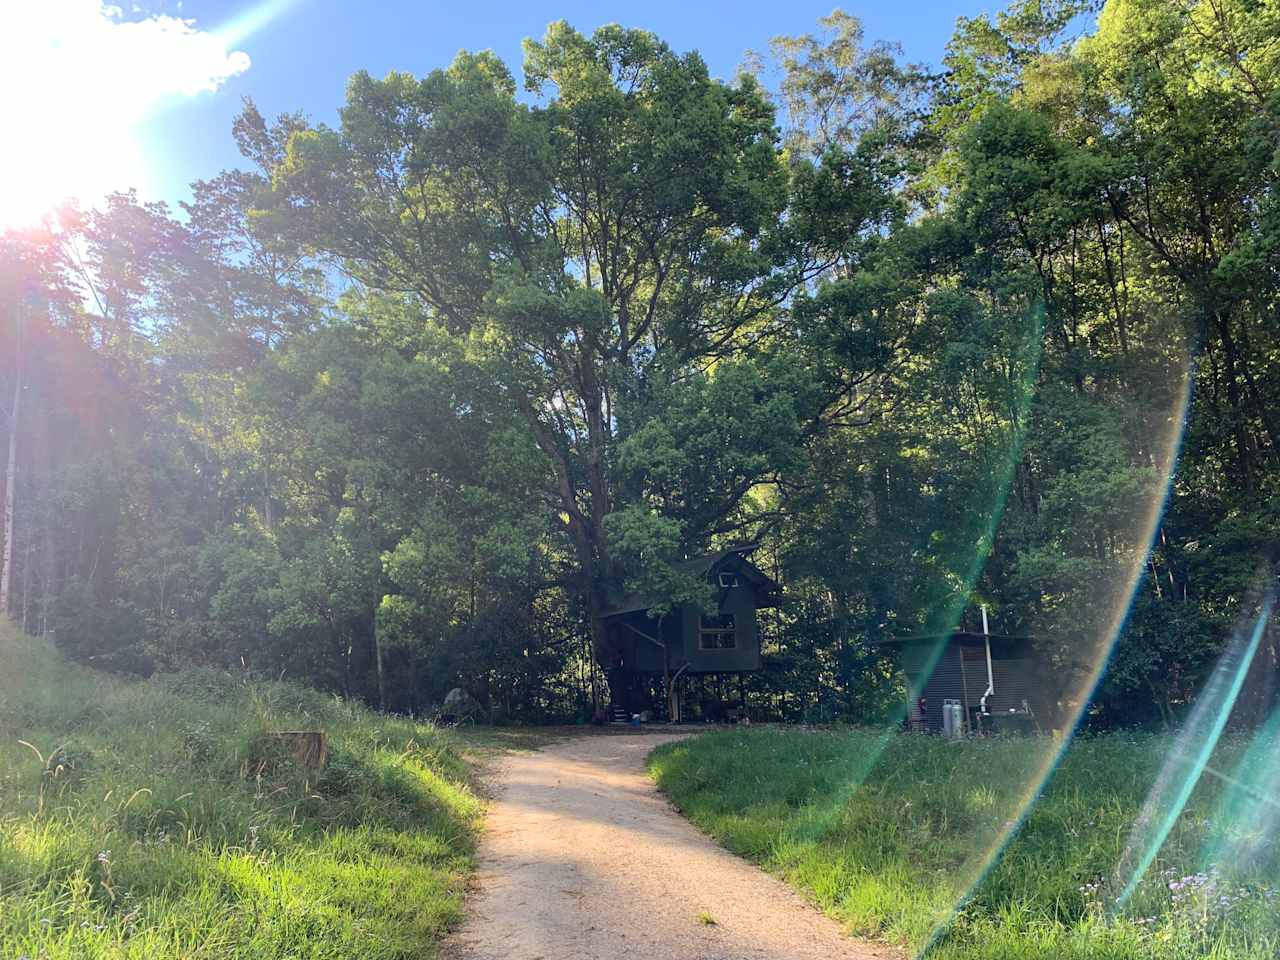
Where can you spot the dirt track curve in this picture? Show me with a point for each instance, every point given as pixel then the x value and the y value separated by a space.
pixel 583 859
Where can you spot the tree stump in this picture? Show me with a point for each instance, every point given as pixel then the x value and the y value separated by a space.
pixel 304 750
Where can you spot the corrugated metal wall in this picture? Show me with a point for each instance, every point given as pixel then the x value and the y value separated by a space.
pixel 961 674
pixel 1015 682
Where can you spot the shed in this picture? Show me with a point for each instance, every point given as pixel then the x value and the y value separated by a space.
pixel 689 640
pixel 954 666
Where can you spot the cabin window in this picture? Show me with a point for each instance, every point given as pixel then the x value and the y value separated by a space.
pixel 728 580
pixel 717 632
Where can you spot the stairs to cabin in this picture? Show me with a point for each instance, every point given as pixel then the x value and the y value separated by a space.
pixel 619 714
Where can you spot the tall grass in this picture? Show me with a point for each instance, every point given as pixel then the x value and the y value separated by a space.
pixel 898 837
pixel 132 825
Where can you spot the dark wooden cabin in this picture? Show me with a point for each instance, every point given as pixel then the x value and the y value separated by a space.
pixel 687 640
pixel 953 666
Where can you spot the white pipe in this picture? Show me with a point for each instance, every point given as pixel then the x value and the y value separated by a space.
pixel 991 680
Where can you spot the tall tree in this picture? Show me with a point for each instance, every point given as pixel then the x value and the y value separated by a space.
pixel 836 89
pixel 622 235
pixel 11 460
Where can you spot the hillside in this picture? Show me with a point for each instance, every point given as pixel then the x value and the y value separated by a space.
pixel 130 826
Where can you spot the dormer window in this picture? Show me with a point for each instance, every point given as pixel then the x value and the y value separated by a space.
pixel 728 580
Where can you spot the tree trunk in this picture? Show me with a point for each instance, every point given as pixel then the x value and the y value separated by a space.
pixel 593 676
pixel 10 483
pixel 26 583
pixel 667 686
pixel 377 655
pixel 50 575
pixel 1230 358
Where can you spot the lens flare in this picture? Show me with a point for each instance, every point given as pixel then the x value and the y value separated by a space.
pixel 1248 815
pixel 1025 371
pixel 1188 759
pixel 986 521
pixel 90 75
pixel 1111 603
pixel 253 20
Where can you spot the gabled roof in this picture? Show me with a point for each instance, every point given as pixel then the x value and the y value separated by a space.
pixel 767 589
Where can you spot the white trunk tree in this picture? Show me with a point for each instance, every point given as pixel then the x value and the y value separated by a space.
pixel 10 484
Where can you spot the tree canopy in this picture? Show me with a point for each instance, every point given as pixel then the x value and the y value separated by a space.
pixel 404 403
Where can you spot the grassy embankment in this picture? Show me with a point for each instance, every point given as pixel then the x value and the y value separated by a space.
pixel 129 828
pixel 893 843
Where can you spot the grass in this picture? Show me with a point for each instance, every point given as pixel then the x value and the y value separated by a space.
pixel 899 837
pixel 131 824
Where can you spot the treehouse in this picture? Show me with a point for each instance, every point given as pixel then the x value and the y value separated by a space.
pixel 961 682
pixel 723 640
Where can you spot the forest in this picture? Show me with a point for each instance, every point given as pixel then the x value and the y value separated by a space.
pixel 398 405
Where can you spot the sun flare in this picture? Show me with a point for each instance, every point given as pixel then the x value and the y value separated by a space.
pixel 79 80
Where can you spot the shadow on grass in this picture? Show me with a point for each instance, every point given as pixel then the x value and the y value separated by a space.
pixel 890 846
pixel 160 846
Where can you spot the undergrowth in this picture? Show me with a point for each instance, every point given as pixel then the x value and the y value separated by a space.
pixel 132 823
pixel 949 848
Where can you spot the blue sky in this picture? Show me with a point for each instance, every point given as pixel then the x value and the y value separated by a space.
pixel 302 56
pixel 173 72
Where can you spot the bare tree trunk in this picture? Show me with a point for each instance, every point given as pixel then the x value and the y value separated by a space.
pixel 377 653
pixel 667 687
pixel 50 576
pixel 591 674
pixel 10 482
pixel 26 581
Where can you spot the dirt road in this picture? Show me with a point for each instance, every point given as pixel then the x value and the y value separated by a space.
pixel 584 860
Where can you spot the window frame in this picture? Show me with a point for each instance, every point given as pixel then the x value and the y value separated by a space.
pixel 726 629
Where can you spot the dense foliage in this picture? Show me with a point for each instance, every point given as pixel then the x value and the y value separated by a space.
pixel 401 404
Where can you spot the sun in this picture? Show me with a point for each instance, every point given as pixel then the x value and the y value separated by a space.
pixel 79 80
pixel 61 157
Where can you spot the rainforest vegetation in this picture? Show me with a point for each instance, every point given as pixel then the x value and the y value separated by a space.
pixel 398 404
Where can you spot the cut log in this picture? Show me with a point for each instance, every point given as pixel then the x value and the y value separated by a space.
pixel 300 749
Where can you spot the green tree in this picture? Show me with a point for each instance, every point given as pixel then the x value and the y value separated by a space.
pixel 604 244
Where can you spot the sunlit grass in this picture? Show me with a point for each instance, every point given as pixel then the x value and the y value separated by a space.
pixel 890 851
pixel 128 826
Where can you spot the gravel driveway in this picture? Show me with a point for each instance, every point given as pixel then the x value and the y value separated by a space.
pixel 583 859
